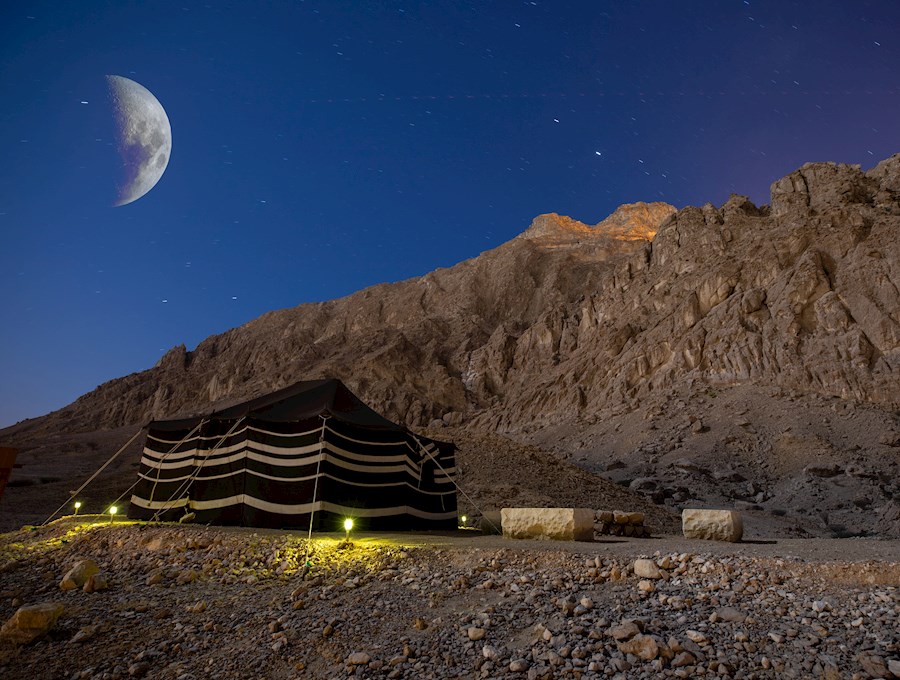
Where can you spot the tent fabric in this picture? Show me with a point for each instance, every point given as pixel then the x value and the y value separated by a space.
pixel 262 463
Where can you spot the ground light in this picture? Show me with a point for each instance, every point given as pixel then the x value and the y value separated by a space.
pixel 463 520
pixel 77 506
pixel 348 525
pixel 112 513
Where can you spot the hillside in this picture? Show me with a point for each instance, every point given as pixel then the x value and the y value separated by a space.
pixel 704 348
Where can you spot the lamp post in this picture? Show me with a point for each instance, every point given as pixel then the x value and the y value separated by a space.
pixel 77 506
pixel 112 513
pixel 348 525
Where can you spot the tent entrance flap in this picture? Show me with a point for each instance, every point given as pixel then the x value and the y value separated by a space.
pixel 308 457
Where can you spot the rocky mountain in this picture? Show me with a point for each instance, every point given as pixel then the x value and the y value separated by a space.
pixel 717 334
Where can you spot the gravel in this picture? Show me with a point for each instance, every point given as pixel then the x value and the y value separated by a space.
pixel 195 602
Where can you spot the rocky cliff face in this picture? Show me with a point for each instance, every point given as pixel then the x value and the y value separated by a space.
pixel 604 341
pixel 802 294
pixel 568 319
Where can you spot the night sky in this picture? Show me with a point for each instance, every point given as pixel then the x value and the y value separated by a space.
pixel 320 147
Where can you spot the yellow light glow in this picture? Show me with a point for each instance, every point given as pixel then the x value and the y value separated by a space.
pixel 464 519
pixel 77 505
pixel 348 524
pixel 113 510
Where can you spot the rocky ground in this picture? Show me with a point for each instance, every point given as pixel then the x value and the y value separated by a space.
pixel 793 464
pixel 197 602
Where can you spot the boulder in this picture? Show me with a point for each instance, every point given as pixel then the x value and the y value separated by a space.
pixel 561 524
pixel 712 525
pixel 78 575
pixel 31 623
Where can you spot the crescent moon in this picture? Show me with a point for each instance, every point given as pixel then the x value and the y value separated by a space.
pixel 144 137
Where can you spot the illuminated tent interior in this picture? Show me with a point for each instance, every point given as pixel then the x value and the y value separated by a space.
pixel 312 451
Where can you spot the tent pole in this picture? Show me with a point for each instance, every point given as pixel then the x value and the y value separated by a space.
pixel 312 512
pixel 159 469
pixel 186 484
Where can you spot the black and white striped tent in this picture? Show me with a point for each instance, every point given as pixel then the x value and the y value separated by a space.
pixel 312 450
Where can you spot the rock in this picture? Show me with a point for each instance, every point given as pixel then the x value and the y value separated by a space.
pixel 476 634
pixel 646 586
pixel 823 470
pixel 358 659
pixel 625 630
pixel 894 667
pixel 731 615
pixel 84 634
pixel 626 518
pixel 489 652
pixel 644 568
pixel 713 525
pixel 644 484
pixel 873 664
pixel 562 524
pixel 683 659
pixel 139 669
pixel 688 465
pixel 644 647
pixel 96 582
pixel 78 575
pixel 186 576
pixel 419 623
pixel 518 666
pixel 154 577
pixel 31 622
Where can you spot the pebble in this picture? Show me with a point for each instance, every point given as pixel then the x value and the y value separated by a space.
pixel 252 608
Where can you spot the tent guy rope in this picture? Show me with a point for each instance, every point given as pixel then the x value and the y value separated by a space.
pixel 312 513
pixel 93 476
pixel 169 453
pixel 475 505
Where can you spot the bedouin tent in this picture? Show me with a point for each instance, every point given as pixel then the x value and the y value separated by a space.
pixel 313 449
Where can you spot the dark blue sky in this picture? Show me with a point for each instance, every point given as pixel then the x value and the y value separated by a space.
pixel 324 146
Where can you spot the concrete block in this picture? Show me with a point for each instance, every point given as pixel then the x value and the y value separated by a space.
pixel 561 524
pixel 712 525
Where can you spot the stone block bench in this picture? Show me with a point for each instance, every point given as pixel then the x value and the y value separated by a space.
pixel 560 524
pixel 570 524
pixel 712 525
